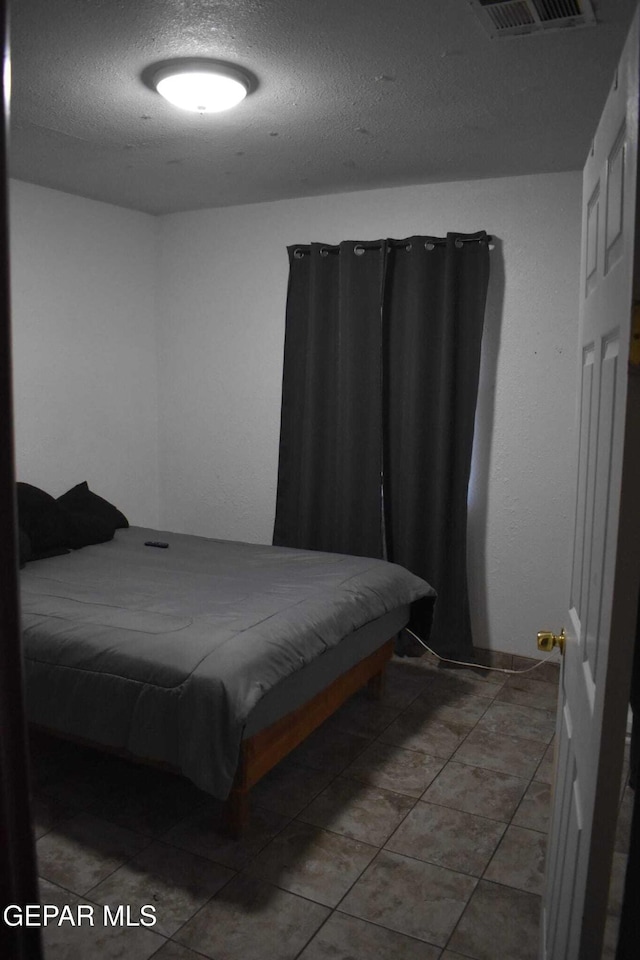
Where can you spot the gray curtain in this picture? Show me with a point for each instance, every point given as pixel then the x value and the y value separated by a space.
pixel 382 356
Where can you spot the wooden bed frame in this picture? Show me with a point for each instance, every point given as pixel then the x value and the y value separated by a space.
pixel 262 751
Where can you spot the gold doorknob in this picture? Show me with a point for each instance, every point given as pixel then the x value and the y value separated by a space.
pixel 547 640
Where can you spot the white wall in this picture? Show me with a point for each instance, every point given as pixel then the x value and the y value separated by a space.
pixel 222 290
pixel 84 341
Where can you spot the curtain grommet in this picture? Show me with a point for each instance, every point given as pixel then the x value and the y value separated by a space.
pixel 358 250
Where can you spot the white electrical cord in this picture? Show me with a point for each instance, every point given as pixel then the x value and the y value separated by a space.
pixel 480 666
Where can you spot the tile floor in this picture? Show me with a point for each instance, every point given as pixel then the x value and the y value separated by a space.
pixel 408 829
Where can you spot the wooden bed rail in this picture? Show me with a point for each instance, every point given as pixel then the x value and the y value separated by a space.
pixel 262 751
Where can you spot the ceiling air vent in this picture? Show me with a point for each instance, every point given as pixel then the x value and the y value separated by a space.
pixel 507 18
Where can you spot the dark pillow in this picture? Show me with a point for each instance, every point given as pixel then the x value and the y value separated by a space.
pixel 42 518
pixel 82 500
pixel 25 552
pixel 52 552
pixel 85 529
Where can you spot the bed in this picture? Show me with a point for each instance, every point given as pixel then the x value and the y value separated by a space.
pixel 213 658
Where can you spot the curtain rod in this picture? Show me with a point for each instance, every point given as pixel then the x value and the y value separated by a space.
pixel 429 242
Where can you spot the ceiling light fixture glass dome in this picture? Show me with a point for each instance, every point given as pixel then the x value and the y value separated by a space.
pixel 202 86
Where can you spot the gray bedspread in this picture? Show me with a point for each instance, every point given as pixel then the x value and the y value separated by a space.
pixel 164 653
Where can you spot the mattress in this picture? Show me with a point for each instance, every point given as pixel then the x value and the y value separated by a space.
pixel 167 653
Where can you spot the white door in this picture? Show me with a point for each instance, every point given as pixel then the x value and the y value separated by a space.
pixel 594 682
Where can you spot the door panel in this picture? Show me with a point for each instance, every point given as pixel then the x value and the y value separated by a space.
pixel 605 557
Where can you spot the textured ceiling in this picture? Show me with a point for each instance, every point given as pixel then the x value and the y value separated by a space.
pixel 352 94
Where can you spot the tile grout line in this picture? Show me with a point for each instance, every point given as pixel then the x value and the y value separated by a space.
pixel 529 780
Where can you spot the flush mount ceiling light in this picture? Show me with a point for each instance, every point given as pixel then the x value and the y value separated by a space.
pixel 202 86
